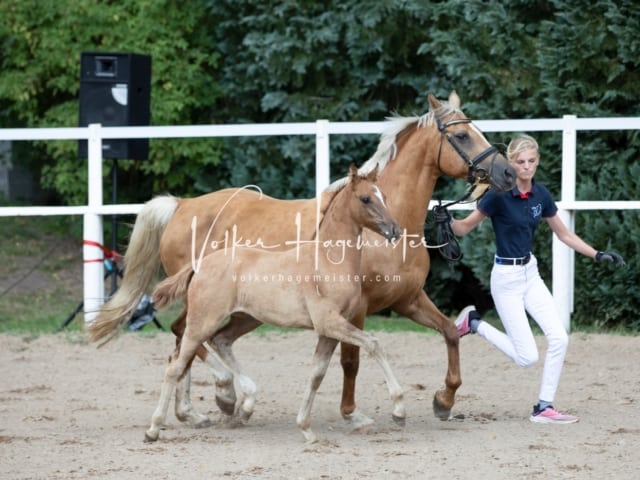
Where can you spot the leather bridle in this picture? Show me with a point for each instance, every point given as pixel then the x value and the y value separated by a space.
pixel 475 172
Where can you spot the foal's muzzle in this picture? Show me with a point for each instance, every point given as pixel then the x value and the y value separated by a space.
pixel 391 232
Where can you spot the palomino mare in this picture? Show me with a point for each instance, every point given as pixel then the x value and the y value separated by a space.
pixel 290 288
pixel 412 153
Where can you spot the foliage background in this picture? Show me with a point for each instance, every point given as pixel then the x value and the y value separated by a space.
pixel 248 61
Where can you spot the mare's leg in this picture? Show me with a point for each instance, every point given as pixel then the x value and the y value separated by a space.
pixel 222 343
pixel 183 407
pixel 350 361
pixel 336 326
pixel 422 310
pixel 321 358
pixel 178 363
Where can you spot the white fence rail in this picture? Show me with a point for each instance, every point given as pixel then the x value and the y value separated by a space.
pixel 563 256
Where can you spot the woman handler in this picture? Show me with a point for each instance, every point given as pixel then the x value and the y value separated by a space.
pixel 516 285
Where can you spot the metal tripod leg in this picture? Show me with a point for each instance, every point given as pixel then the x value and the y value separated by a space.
pixel 71 316
pixel 80 306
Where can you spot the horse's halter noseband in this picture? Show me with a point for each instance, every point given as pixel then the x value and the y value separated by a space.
pixel 475 173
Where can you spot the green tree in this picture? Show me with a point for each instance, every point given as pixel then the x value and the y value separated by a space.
pixel 301 61
pixel 254 61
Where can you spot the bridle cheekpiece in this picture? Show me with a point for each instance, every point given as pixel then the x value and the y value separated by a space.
pixel 474 173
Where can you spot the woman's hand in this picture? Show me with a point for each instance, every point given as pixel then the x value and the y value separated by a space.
pixel 611 257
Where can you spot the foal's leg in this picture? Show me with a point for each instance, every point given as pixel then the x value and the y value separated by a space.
pixel 178 362
pixel 225 388
pixel 244 405
pixel 321 358
pixel 423 311
pixel 336 326
pixel 222 343
pixel 183 407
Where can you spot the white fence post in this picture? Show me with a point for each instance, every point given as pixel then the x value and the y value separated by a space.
pixel 92 229
pixel 322 155
pixel 563 256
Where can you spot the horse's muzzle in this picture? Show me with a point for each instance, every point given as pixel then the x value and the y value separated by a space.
pixel 391 232
pixel 502 175
pixel 505 181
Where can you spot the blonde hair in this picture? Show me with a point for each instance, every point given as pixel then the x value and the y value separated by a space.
pixel 519 145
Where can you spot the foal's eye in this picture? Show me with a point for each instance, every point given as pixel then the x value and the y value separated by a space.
pixel 365 200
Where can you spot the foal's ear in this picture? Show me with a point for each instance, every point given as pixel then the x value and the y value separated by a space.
pixel 353 172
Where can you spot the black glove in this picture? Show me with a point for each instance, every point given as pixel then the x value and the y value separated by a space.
pixel 441 215
pixel 611 257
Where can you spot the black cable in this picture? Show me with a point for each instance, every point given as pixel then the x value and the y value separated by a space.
pixel 24 277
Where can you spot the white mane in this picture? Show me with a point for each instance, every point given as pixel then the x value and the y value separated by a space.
pixel 387 148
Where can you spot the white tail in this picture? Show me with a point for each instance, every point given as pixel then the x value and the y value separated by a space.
pixel 141 264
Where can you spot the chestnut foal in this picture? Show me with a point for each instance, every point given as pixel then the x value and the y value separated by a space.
pixel 314 285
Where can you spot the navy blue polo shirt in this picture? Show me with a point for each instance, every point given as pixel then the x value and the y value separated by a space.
pixel 515 217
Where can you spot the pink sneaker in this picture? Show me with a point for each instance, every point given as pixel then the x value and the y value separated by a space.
pixel 551 415
pixel 462 322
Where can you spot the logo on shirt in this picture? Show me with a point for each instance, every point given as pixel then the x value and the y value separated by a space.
pixel 536 210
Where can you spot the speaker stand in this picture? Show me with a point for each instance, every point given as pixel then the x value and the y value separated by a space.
pixel 113 273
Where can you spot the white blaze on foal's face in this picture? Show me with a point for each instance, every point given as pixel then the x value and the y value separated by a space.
pixel 378 193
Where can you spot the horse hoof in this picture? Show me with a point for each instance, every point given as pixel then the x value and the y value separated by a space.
pixel 441 412
pixel 309 436
pixel 244 416
pixel 150 437
pixel 358 421
pixel 226 406
pixel 194 420
pixel 204 422
pixel 400 421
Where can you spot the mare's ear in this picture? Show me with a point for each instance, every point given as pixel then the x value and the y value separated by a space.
pixel 454 99
pixel 434 103
pixel 372 176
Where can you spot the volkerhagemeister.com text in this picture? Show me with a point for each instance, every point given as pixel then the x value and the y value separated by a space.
pixel 314 278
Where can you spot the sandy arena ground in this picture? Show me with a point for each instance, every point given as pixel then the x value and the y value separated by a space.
pixel 70 411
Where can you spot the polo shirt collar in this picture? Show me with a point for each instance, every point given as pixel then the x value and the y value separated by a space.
pixel 516 193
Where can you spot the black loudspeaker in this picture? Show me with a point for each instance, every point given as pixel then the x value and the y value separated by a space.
pixel 115 90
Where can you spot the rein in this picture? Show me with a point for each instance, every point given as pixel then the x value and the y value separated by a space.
pixel 446 241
